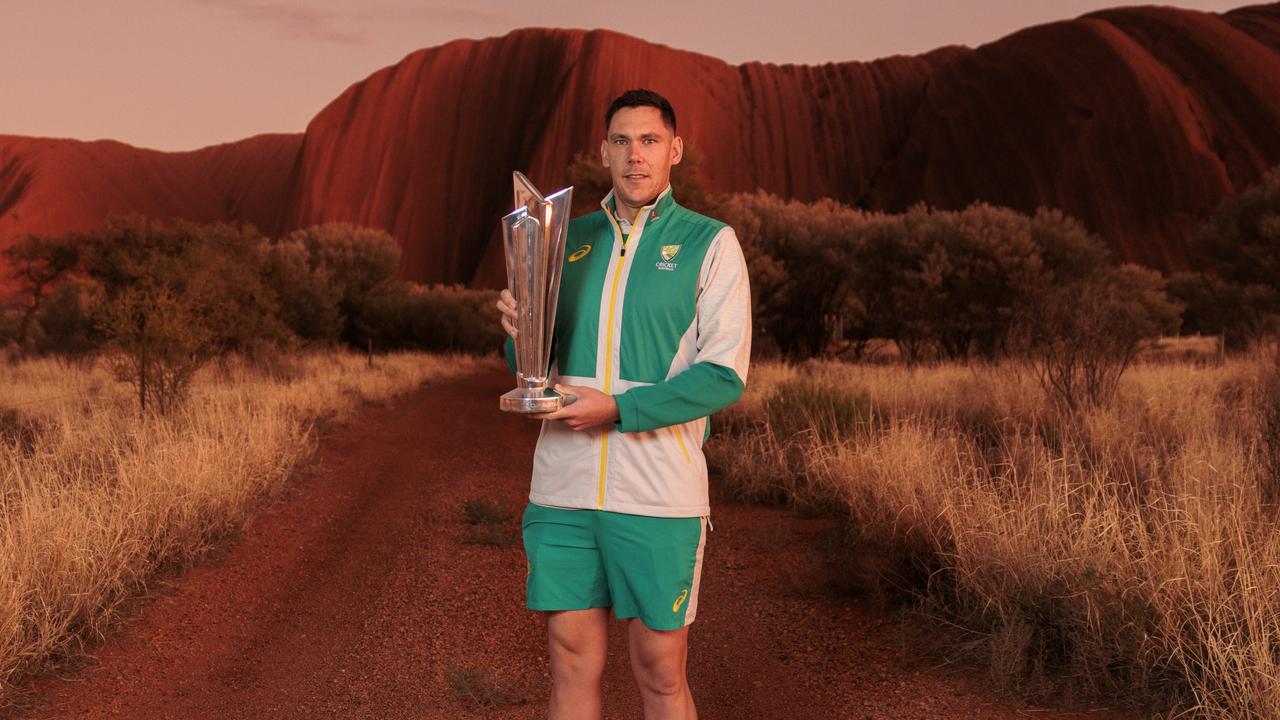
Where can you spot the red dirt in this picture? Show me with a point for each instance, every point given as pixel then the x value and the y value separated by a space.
pixel 356 595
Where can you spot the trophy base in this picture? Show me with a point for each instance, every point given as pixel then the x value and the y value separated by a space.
pixel 534 400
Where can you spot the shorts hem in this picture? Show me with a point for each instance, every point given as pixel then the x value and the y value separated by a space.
pixel 556 607
pixel 661 627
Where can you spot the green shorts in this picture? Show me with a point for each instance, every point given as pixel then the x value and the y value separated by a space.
pixel 641 566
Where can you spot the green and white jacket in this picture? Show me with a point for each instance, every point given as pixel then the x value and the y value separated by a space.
pixel 657 313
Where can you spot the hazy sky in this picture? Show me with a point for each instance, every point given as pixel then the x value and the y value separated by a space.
pixel 181 74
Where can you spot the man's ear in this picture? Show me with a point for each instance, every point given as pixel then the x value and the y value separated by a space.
pixel 677 150
pixel 604 155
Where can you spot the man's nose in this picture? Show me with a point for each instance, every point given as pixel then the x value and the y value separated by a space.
pixel 634 156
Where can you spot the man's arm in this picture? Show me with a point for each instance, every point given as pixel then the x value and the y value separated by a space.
pixel 719 370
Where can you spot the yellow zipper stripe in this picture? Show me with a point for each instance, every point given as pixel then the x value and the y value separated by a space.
pixel 675 430
pixel 608 344
pixel 604 465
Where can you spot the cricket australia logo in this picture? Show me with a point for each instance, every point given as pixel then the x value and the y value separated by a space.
pixel 668 253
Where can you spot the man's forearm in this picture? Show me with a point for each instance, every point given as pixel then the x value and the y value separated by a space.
pixel 702 389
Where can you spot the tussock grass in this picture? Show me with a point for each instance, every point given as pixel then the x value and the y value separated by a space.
pixel 1129 551
pixel 96 499
pixel 488 523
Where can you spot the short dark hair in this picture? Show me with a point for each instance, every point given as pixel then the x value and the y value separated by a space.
pixel 641 97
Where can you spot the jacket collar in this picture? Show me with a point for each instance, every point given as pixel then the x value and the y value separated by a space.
pixel 656 209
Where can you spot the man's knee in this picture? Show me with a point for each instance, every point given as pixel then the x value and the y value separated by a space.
pixel 575 662
pixel 577 651
pixel 658 659
pixel 662 677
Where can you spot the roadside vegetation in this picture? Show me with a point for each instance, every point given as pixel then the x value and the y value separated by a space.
pixel 158 301
pixel 985 400
pixel 97 500
pixel 1127 550
pixel 161 379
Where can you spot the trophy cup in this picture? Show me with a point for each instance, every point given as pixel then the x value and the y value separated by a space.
pixel 533 238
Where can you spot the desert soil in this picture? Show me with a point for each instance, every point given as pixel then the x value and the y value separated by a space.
pixel 362 592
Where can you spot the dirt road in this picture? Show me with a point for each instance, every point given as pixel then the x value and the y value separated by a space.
pixel 363 593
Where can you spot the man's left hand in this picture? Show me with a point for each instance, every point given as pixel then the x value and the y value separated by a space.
pixel 592 408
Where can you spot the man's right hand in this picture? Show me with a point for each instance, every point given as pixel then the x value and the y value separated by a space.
pixel 507 304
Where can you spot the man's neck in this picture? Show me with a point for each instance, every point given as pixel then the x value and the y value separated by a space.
pixel 629 212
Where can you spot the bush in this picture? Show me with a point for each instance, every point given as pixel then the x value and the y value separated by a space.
pixel 438 318
pixel 307 296
pixel 10 320
pixel 169 296
pixel 37 264
pixel 216 269
pixel 175 295
pixel 1081 335
pixel 976 267
pixel 66 321
pixel 828 278
pixel 160 343
pixel 1235 289
pixel 360 265
pixel 799 256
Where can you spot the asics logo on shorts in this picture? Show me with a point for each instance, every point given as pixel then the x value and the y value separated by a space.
pixel 675 607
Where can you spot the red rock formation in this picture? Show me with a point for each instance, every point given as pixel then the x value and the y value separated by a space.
pixel 425 148
pixel 50 185
pixel 1136 120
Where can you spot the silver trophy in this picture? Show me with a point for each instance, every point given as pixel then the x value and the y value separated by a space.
pixel 533 238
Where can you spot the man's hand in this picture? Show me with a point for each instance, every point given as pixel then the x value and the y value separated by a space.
pixel 507 305
pixel 592 408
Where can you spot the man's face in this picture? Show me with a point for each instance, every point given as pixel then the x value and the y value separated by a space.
pixel 639 150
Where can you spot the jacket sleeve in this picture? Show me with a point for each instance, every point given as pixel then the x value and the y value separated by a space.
pixel 509 351
pixel 718 374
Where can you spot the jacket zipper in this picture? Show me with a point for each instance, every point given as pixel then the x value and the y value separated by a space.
pixel 608 345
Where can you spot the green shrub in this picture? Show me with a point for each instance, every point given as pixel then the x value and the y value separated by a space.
pixel 174 295
pixel 158 343
pixel 827 278
pixel 37 263
pixel 800 257
pixel 439 318
pixel 1235 288
pixel 360 265
pixel 66 321
pixel 307 296
pixel 1081 335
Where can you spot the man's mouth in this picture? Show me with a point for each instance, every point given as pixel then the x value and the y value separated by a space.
pixel 635 176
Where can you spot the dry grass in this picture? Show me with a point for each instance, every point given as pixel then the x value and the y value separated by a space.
pixel 1130 551
pixel 95 500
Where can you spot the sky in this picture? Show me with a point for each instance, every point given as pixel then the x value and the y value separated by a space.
pixel 183 74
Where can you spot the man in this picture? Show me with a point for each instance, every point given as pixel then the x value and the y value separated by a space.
pixel 652 335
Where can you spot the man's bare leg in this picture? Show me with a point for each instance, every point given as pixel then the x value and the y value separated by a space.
pixel 577 646
pixel 658 660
